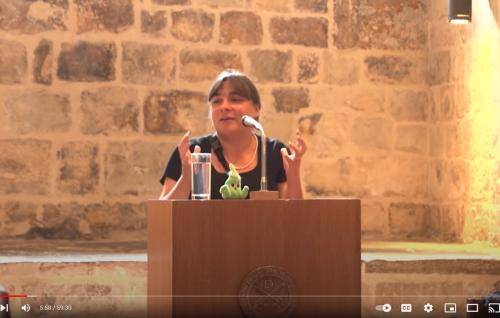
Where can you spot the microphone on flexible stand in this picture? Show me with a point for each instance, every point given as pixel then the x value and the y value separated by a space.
pixel 263 194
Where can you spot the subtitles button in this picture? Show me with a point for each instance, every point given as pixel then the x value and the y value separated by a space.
pixel 405 307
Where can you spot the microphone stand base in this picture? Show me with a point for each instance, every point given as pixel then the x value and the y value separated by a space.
pixel 264 195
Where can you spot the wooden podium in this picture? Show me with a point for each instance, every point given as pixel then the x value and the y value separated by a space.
pixel 245 258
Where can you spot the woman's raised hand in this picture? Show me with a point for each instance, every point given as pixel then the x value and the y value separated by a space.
pixel 291 162
pixel 185 154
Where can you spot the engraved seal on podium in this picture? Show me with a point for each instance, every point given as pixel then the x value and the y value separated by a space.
pixel 267 292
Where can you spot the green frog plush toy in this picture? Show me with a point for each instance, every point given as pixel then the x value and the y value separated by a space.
pixel 232 187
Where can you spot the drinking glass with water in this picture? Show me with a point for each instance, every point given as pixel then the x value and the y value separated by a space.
pixel 200 176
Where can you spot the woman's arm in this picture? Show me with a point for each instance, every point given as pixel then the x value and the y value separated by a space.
pixel 180 189
pixel 173 190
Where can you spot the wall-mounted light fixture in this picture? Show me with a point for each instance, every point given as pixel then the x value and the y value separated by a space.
pixel 460 11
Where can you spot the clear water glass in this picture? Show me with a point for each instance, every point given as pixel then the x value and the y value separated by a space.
pixel 200 176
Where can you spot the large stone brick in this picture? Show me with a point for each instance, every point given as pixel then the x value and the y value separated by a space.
pixel 308 64
pixel 382 24
pixel 411 138
pixel 192 25
pixel 277 5
pixel 240 28
pixel 110 15
pixel 374 133
pixel 448 222
pixel 17 217
pixel 299 31
pixel 148 64
pixel 87 62
pixel 408 220
pixel 395 176
pixel 439 68
pixel 340 70
pixel 70 221
pixel 449 180
pixel 374 218
pixel 318 6
pixel 23 166
pixel 308 123
pixel 395 69
pixel 135 168
pixel 171 2
pixel 153 22
pixel 175 112
pixel 33 16
pixel 271 65
pixel 409 106
pixel 436 142
pixel 290 100
pixel 37 111
pixel 362 99
pixel 42 65
pixel 78 168
pixel 200 65
pixel 13 62
pixel 110 110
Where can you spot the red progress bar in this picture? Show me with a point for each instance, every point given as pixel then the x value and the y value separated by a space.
pixel 13 295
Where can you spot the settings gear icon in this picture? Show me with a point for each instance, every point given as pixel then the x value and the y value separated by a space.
pixel 428 308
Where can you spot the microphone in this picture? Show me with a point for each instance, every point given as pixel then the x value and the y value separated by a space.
pixel 248 121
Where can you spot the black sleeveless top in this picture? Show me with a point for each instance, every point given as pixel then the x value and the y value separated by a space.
pixel 275 170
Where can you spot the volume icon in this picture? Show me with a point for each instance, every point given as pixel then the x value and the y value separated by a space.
pixel 26 307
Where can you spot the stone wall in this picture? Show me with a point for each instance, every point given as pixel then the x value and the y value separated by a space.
pixel 95 94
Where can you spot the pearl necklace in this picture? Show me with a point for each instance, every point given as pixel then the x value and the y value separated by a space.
pixel 251 159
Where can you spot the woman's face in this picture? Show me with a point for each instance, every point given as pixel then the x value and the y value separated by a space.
pixel 227 108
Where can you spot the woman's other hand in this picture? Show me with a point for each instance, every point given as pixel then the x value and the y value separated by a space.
pixel 185 154
pixel 291 162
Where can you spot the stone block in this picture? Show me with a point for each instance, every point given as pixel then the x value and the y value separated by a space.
pixel 436 142
pixel 316 6
pixel 111 15
pixel 153 22
pixel 449 180
pixel 171 2
pixel 42 64
pixel 90 221
pixel 311 32
pixel 386 25
pixel 240 28
pixel 395 176
pixel 372 133
pixel 308 123
pixel 175 112
pixel 443 103
pixel 290 100
pixel 308 64
pixel 17 217
pixel 374 218
pixel 271 65
pixel 365 100
pixel 411 138
pixel 78 168
pixel 409 105
pixel 135 168
pixel 32 17
pixel 277 5
pixel 224 3
pixel 395 69
pixel 23 166
pixel 14 62
pixel 200 65
pixel 340 70
pixel 87 62
pixel 439 68
pixel 148 64
pixel 409 220
pixel 36 111
pixel 192 25
pixel 110 110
